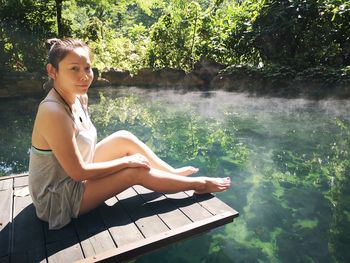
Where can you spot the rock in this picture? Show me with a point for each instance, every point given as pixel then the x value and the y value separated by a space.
pixel 116 77
pixel 238 82
pixel 223 82
pixel 201 77
pixel 171 77
pixel 101 82
pixel 206 75
pixel 206 71
pixel 192 80
pixel 145 77
pixel 14 84
pixel 28 86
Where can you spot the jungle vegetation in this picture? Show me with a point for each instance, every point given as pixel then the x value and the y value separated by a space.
pixel 296 35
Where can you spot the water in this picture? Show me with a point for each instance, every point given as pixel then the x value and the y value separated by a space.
pixel 288 161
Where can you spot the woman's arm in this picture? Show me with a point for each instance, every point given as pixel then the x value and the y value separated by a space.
pixel 56 128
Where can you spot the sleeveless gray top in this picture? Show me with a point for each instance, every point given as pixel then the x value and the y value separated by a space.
pixel 55 195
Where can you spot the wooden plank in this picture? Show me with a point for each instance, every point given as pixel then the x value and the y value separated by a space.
pixel 97 243
pixel 21 181
pixel 66 232
pixel 6 219
pixel 189 206
pixel 6 184
pixel 134 223
pixel 28 242
pixel 211 203
pixel 62 245
pixel 166 210
pixel 66 250
pixel 157 241
pixel 122 228
pixel 13 176
pixel 93 235
pixel 148 223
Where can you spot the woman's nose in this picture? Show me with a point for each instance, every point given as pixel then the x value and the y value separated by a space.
pixel 85 76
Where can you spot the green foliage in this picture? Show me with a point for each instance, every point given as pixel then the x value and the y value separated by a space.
pixel 24 25
pixel 129 35
pixel 225 29
pixel 302 33
pixel 110 30
pixel 174 38
pixel 187 33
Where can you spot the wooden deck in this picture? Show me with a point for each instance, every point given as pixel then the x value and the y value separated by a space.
pixel 133 223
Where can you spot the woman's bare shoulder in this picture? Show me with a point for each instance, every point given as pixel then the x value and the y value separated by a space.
pixel 53 114
pixel 52 121
pixel 51 107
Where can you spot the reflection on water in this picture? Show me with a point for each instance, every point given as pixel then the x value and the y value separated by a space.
pixel 288 160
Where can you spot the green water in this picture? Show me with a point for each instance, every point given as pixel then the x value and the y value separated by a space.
pixel 288 160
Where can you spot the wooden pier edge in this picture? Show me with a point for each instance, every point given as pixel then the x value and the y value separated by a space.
pixel 12 176
pixel 153 243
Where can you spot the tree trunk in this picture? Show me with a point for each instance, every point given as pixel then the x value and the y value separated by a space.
pixel 59 17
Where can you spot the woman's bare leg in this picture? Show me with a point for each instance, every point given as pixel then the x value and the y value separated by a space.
pixel 99 190
pixel 124 143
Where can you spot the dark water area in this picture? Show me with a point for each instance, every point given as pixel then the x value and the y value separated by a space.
pixel 288 160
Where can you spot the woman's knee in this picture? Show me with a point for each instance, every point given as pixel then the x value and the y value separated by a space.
pixel 126 135
pixel 137 175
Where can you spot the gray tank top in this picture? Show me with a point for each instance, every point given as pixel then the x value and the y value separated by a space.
pixel 55 195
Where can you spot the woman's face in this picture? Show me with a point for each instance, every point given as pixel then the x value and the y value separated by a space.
pixel 74 74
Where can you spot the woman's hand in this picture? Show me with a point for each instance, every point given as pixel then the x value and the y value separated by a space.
pixel 137 160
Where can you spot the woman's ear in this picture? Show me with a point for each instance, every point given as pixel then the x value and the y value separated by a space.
pixel 51 71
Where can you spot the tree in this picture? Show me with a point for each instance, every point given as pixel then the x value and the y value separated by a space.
pixel 59 17
pixel 299 33
pixel 24 27
pixel 174 38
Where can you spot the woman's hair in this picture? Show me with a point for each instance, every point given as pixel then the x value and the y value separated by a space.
pixel 57 50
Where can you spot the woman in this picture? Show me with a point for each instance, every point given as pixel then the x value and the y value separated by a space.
pixel 69 174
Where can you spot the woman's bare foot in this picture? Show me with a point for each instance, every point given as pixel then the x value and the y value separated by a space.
pixel 212 185
pixel 185 171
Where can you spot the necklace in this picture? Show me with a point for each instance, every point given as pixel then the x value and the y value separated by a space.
pixel 65 102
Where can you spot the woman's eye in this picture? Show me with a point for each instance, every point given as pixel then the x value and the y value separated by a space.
pixel 75 68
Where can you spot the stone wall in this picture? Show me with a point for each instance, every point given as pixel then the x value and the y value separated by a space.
pixel 17 84
pixel 200 78
pixel 206 75
pixel 24 83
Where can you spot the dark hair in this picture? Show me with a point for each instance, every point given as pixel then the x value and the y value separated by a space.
pixel 57 50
